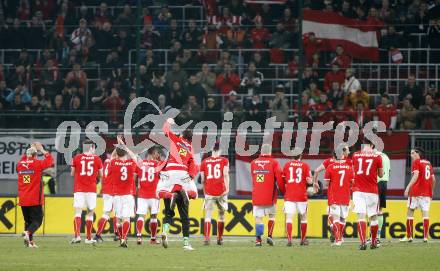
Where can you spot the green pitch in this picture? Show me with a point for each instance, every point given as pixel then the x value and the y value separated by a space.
pixel 55 253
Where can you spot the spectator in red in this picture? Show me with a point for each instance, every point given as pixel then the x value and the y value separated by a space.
pixel 102 14
pixel 227 81
pixel 312 45
pixel 305 111
pixel 114 104
pixel 323 109
pixel 341 112
pixel 77 77
pixel 336 93
pixel 374 22
pixel 259 35
pixel 212 40
pixel 387 112
pixel 335 75
pixel 341 58
pixel 362 114
pixel 292 68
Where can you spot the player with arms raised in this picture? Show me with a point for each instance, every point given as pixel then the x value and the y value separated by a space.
pixel 266 175
pixel 419 192
pixel 339 176
pixel 176 185
pixel 367 165
pixel 148 202
pixel 107 197
pixel 122 171
pixel 215 179
pixel 86 168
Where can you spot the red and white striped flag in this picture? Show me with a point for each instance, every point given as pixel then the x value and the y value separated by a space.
pixel 358 39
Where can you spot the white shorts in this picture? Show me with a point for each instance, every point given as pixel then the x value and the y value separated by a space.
pixel 339 210
pixel 295 207
pixel 124 206
pixel 261 211
pixel 220 201
pixel 422 203
pixel 365 203
pixel 172 177
pixel 108 203
pixel 147 205
pixel 84 200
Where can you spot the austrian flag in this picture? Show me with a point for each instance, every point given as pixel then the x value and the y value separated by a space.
pixel 357 38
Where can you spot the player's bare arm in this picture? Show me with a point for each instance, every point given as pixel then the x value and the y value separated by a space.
pixel 226 174
pixel 412 182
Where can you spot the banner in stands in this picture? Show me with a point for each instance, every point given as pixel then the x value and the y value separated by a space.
pixel 357 37
pixel 239 219
pixel 396 147
pixel 11 150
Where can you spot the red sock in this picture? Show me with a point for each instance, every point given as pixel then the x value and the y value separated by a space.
pixel 89 226
pixel 374 229
pixel 425 227
pixel 77 226
pixel 409 227
pixel 362 230
pixel 207 229
pixel 153 228
pixel 165 195
pixel 336 231
pixel 125 229
pixel 289 231
pixel 115 226
pixel 120 231
pixel 101 225
pixel 341 229
pixel 303 230
pixel 270 226
pixel 139 226
pixel 220 229
pixel 192 194
pixel 330 221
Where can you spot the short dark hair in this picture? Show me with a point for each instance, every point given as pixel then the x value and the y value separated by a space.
pixel 88 143
pixel 367 141
pixel 384 95
pixel 187 134
pixel 418 150
pixel 298 156
pixel 120 152
pixel 216 146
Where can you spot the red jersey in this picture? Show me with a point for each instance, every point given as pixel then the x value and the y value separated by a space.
pixel 295 175
pixel 259 37
pixel 106 181
pixel 266 174
pixel 340 176
pixel 327 162
pixel 148 178
pixel 213 168
pixel 29 179
pixel 181 154
pixel 122 173
pixel 86 167
pixel 423 186
pixel 366 164
pixel 385 113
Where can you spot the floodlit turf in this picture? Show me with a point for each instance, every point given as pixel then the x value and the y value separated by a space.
pixel 55 253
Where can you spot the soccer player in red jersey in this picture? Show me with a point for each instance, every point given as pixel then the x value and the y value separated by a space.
pixel 266 176
pixel 339 176
pixel 419 192
pixel 147 201
pixel 367 165
pixel 176 185
pixel 107 197
pixel 122 171
pixel 215 179
pixel 86 169
pixel 296 176
pixel 327 162
pixel 30 194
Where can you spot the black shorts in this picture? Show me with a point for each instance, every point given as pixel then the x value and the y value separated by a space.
pixel 382 194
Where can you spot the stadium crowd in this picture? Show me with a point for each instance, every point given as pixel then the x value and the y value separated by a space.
pixel 204 62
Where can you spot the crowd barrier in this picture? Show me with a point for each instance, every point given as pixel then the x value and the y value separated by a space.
pixel 239 220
